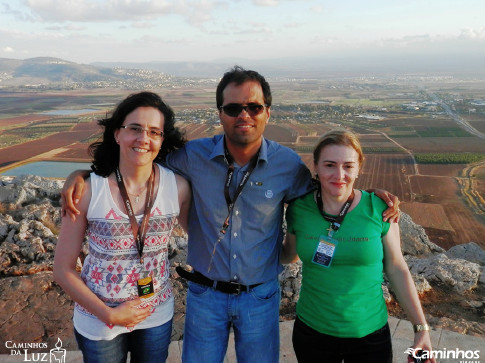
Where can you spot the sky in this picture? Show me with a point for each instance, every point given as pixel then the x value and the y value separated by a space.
pixel 86 31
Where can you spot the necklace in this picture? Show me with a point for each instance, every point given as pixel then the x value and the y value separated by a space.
pixel 137 197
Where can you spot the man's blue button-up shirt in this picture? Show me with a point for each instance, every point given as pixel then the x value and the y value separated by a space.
pixel 249 251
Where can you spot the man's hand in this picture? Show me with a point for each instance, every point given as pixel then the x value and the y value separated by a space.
pixel 71 193
pixel 392 213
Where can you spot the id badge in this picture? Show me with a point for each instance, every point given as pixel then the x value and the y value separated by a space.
pixel 325 251
pixel 145 287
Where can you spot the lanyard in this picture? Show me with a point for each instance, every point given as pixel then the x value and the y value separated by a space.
pixel 232 201
pixel 336 222
pixel 139 232
pixel 230 173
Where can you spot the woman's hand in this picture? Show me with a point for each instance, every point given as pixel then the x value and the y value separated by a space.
pixel 129 313
pixel 422 341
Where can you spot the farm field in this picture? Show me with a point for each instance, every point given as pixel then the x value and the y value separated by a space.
pixel 63 139
pixel 20 120
pixel 391 134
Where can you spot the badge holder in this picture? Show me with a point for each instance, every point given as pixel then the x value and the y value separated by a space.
pixel 325 251
pixel 145 287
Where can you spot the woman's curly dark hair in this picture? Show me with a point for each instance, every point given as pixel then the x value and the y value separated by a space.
pixel 106 153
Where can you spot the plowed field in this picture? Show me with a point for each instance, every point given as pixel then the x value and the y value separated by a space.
pixel 19 153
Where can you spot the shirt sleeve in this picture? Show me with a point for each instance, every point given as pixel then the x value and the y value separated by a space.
pixel 289 216
pixel 378 208
pixel 178 162
pixel 302 182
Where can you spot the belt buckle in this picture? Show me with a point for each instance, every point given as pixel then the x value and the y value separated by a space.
pixel 237 286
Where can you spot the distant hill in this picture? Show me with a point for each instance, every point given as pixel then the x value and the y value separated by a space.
pixel 178 69
pixel 54 71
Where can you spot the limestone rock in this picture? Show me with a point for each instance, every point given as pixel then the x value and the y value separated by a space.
pixel 461 326
pixel 28 188
pixel 414 240
pixel 422 285
pixel 35 309
pixel 460 274
pixel 468 251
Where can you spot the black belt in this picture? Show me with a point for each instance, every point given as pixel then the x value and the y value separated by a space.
pixel 223 286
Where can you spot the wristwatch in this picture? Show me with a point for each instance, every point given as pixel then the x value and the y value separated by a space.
pixel 421 327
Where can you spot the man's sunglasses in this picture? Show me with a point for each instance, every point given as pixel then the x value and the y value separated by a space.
pixel 234 109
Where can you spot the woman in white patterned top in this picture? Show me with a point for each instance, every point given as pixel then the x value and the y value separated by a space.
pixel 124 300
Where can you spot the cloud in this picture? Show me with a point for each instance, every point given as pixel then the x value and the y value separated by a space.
pixel 316 9
pixel 8 50
pixel 17 14
pixel 271 2
pixel 142 25
pixel 117 10
pixel 68 27
pixel 472 33
pixel 265 2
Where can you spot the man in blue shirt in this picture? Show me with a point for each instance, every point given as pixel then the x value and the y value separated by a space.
pixel 245 253
pixel 240 183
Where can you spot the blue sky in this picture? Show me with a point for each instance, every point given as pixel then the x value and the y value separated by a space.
pixel 86 31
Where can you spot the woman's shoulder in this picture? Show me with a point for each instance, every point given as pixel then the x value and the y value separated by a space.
pixel 302 203
pixel 305 198
pixel 372 202
pixel 165 172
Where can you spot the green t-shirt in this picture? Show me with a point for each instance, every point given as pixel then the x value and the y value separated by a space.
pixel 345 299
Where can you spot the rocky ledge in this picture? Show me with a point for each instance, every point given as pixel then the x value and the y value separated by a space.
pixel 33 308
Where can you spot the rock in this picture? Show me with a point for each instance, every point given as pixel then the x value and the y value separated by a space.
pixel 387 295
pixel 422 285
pixel 29 188
pixel 35 309
pixel 414 240
pixel 473 304
pixel 461 326
pixel 30 221
pixel 468 251
pixel 3 229
pixel 460 274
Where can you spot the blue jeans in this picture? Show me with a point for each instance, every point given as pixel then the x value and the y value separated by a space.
pixel 145 345
pixel 373 348
pixel 254 316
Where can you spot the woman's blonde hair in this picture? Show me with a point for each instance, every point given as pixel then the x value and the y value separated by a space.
pixel 338 137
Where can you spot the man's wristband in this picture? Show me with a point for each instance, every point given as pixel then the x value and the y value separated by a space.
pixel 421 327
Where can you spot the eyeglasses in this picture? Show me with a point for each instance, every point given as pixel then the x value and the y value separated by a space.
pixel 137 130
pixel 234 109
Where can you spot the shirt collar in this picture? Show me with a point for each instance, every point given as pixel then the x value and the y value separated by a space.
pixel 219 149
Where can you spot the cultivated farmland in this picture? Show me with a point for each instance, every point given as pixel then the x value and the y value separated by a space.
pixel 395 121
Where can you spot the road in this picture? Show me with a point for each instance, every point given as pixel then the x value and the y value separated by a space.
pixel 456 117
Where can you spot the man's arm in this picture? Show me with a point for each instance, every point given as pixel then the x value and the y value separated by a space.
pixel 288 250
pixel 72 192
pixel 184 196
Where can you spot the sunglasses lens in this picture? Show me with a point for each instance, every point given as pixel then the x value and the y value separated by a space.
pixel 234 109
pixel 254 109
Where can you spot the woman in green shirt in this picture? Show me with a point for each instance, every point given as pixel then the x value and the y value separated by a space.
pixel 338 233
